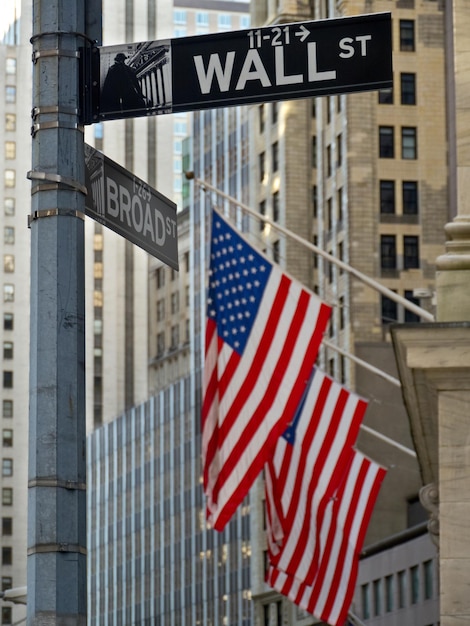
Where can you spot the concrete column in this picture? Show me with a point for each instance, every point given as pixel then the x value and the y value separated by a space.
pixel 434 359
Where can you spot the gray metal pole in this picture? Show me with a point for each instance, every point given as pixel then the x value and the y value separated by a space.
pixel 56 497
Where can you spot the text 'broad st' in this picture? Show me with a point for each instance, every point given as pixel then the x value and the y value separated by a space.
pixel 279 62
pixel 128 206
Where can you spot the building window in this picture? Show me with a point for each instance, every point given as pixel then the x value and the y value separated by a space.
pixel 262 117
pixel 160 343
pixel 389 594
pixel 377 587
pixel 408 143
pixel 10 66
pixel 387 196
pixel 175 302
pixel 225 21
pixel 401 589
pixel 428 580
pixel 245 21
pixel 389 310
pixel 7 583
pixel 315 200
pixel 7 437
pixel 7 408
pixel 329 164
pixel 160 310
pixel 275 156
pixel 9 206
pixel 410 252
pixel 10 94
pixel 276 251
pixel 7 526
pixel 386 142
pixel 341 312
pixel 10 150
pixel 179 16
pixel 10 178
pixel 8 321
pixel 314 151
pixel 261 164
pixel 276 206
pixel 386 96
pixel 339 150
pixel 175 336
pixel 407 35
pixel 388 252
pixel 409 315
pixel 8 293
pixel 410 197
pixel 365 601
pixel 329 214
pixel 8 349
pixel 266 612
pixel 274 112
pixel 8 263
pixel 10 121
pixel 7 555
pixel 7 614
pixel 262 211
pixel 8 235
pixel 202 19
pixel 340 203
pixel 160 277
pixel 7 496
pixel 7 467
pixel 408 88
pixel 414 575
pixel 7 379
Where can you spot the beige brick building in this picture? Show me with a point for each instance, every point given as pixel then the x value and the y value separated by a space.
pixel 364 176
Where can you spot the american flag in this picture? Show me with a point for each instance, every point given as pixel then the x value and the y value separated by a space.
pixel 263 333
pixel 342 532
pixel 309 463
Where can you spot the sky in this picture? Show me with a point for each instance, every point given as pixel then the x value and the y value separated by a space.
pixel 7 14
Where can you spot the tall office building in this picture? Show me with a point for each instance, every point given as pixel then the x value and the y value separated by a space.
pixel 15 159
pixel 364 176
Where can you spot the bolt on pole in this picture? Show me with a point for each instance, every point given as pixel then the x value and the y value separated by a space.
pixel 56 579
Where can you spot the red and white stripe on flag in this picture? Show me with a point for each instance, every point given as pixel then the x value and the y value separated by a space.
pixel 342 534
pixel 263 333
pixel 308 465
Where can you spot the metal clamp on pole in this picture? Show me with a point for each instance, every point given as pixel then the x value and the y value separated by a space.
pixel 51 110
pixel 52 213
pixel 48 125
pixel 60 33
pixel 55 52
pixel 57 178
pixel 56 547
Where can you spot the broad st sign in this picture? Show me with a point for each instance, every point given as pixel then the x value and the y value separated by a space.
pixel 128 206
pixel 278 62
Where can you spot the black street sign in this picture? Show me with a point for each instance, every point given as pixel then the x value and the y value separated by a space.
pixel 278 62
pixel 128 206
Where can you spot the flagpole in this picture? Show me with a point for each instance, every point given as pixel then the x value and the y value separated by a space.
pixel 355 619
pixel 414 308
pixel 363 363
pixel 372 368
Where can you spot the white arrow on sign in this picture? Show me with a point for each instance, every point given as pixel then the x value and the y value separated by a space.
pixel 303 33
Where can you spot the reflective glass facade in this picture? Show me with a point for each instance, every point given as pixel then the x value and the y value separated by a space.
pixel 152 557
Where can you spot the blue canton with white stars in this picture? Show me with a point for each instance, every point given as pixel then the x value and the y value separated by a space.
pixel 238 277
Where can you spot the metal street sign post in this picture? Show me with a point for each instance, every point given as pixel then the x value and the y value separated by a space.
pixel 130 207
pixel 278 62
